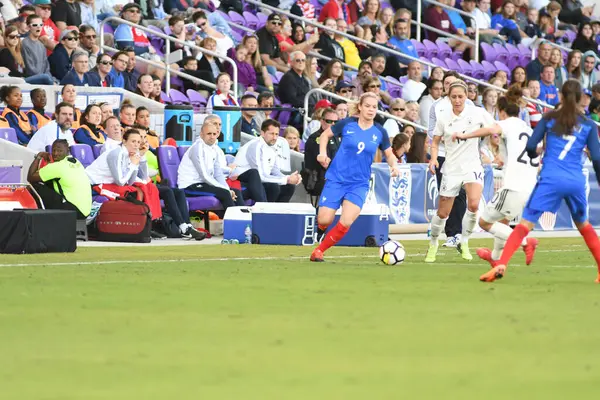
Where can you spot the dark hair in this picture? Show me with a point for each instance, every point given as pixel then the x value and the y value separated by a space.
pixel 509 108
pixel 120 53
pixel 175 19
pixel 247 96
pixel 294 27
pixel 31 17
pixel 267 123
pixel 125 106
pixel 61 105
pixel 60 142
pixel 416 154
pixel 140 109
pixel 399 140
pixel 450 73
pixel 594 106
pixel 108 119
pixel 198 14
pixel 5 91
pixel 512 76
pixel 62 91
pixel 265 95
pixel 545 67
pixel 338 102
pixel 186 60
pixel 87 111
pixel 327 71
pixel 36 90
pixel 130 132
pixel 139 80
pixel 84 28
pixel 566 116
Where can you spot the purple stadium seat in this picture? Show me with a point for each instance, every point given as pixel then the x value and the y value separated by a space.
pixel 453 65
pixel 502 67
pixel 488 52
pixel 181 150
pixel 439 62
pixel 514 56
pixel 97 150
pixel 168 162
pixel 224 15
pixel 262 19
pixel 457 55
pixel 444 50
pixel 165 98
pixel 167 29
pixel 465 67
pixel 236 18
pixel 501 53
pixel 570 35
pixel 108 29
pixel 237 36
pixel 478 72
pixel 83 153
pixel 431 50
pixel 9 134
pixel 178 98
pixel 252 21
pixel 176 81
pixel 525 54
pixel 421 50
pixel 196 99
pixel 488 69
pixel 284 116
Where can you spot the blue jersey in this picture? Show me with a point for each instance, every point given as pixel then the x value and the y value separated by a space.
pixel 352 162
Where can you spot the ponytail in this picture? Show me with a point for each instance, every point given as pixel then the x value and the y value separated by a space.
pixel 566 116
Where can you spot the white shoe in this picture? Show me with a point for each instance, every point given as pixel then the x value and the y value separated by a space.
pixel 451 242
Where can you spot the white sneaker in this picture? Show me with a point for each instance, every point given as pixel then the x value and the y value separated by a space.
pixel 451 242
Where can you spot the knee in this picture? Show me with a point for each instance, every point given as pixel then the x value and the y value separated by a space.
pixel 473 206
pixel 325 219
pixel 442 213
pixel 484 225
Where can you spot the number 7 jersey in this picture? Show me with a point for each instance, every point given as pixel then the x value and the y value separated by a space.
pixel 520 172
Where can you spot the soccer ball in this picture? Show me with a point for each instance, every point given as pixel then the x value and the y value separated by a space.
pixel 392 253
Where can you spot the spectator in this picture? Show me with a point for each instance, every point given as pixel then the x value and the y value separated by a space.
pixel 88 14
pixel 397 109
pixel 386 18
pixel 87 43
pixel 585 102
pixel 37 115
pixel 402 43
pixel 414 87
pixel 246 73
pixel 50 32
pixel 311 71
pixel 265 99
pixel 518 76
pixel 9 9
pixel 341 109
pixel 269 45
pixel 502 77
pixel 21 23
pixel 179 31
pixel 401 146
pixel 472 93
pixel 145 86
pixel 209 62
pixel 574 65
pixel 504 23
pixel 535 110
pixel 292 136
pixel 532 29
pixel 588 73
pixel 127 115
pixel 62 183
pixel 114 134
pixel 131 74
pixel 435 89
pixel 17 119
pixel 79 74
pixel 57 129
pixel 223 42
pixel 263 80
pixel 369 14
pixel 484 22
pixel 409 130
pixel 327 45
pixel 249 124
pixel 66 13
pixel 490 102
pixel 287 45
pixel 11 58
pixel 127 36
pixel 560 72
pixel 534 68
pixel 293 87
pixel 323 118
pixel 545 23
pixel 596 91
pixel 90 132
pixel 490 151
pixel 107 111
pixel 334 9
pixel 61 58
pixel 378 63
pixel 33 51
pixel 120 60
pixel 190 67
pixel 594 109
pixel 467 6
pixel 436 17
pixel 69 95
pixel 222 96
pixel 373 85
pixel 344 89
pixel 365 71
pixel 100 75
pixel 548 92
pixel 157 84
pixel 455 18
pixel 123 170
pixel 418 148
pixel 332 74
pixel 308 10
pixel 352 57
pixel 259 154
pixel 142 121
pixel 412 112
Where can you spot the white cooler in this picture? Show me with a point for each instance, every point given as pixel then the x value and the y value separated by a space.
pixel 235 221
pixel 283 223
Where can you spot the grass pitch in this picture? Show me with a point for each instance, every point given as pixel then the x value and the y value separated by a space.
pixel 191 323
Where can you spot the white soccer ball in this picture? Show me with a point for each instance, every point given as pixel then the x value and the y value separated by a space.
pixel 392 253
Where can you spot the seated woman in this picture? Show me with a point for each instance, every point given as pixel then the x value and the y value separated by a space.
pixel 37 115
pixel 142 120
pixel 69 95
pixel 222 96
pixel 90 131
pixel 201 170
pixel 401 146
pixel 62 183
pixel 124 170
pixel 17 119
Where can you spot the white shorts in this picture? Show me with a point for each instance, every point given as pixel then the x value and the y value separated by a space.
pixel 451 184
pixel 506 204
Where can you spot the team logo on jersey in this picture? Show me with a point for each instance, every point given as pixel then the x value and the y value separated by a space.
pixel 374 138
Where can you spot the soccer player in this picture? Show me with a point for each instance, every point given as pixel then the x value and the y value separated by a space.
pixel 520 175
pixel 462 166
pixel 567 133
pixel 347 179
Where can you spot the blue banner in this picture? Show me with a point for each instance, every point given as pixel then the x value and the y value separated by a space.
pixel 231 118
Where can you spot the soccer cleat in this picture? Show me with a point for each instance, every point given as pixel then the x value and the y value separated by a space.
pixel 452 242
pixel 317 256
pixel 486 255
pixel 493 274
pixel 598 278
pixel 431 253
pixel 529 249
pixel 192 232
pixel 157 235
pixel 463 250
pixel 319 236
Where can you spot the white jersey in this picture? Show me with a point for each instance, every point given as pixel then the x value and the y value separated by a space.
pixel 462 156
pixel 520 172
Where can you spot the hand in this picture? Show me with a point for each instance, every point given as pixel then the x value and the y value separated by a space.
pixel 394 171
pixel 433 165
pixel 456 136
pixel 143 150
pixel 323 160
pixel 294 178
pixel 470 31
pixel 43 156
pixel 233 195
pixel 233 177
pixel 314 38
pixel 134 158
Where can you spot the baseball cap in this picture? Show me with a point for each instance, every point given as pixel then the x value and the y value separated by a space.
pixel 129 6
pixel 587 92
pixel 324 103
pixel 70 29
pixel 343 85
pixel 42 2
pixel 274 17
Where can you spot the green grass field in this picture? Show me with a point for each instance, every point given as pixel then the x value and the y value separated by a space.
pixel 182 323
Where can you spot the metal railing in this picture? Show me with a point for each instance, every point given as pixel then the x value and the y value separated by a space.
pixel 447 7
pixel 168 39
pixel 338 97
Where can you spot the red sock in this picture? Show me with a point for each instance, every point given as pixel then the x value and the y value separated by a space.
pixel 513 243
pixel 322 227
pixel 591 239
pixel 334 236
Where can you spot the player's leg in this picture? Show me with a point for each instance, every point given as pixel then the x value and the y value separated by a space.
pixel 329 202
pixel 474 190
pixel 577 203
pixel 453 227
pixel 438 222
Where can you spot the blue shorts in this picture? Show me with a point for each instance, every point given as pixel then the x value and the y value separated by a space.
pixel 334 193
pixel 547 196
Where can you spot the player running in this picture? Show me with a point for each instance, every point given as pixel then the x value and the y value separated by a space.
pixel 462 167
pixel 567 133
pixel 520 176
pixel 347 180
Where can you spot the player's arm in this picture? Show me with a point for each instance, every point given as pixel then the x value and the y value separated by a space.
pixel 390 157
pixel 438 131
pixel 593 146
pixel 322 158
pixel 494 129
pixel 538 135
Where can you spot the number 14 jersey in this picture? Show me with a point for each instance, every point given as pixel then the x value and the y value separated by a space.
pixel 520 172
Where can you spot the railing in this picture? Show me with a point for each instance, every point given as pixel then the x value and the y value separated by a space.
pixel 447 7
pixel 558 46
pixel 335 96
pixel 168 39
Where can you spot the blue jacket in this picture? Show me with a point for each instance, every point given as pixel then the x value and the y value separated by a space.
pixel 60 62
pixel 117 79
pixel 72 78
pixel 94 79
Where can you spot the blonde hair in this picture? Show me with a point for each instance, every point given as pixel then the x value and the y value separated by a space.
pixel 290 130
pixel 458 84
pixel 354 108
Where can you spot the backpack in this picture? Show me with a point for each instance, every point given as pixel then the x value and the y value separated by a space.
pixel 125 219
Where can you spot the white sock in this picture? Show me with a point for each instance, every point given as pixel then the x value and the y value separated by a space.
pixel 498 247
pixel 500 231
pixel 437 227
pixel 468 224
pixel 183 227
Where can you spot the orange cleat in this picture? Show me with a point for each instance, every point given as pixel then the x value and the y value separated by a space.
pixel 493 274
pixel 486 255
pixel 529 249
pixel 316 256
pixel 598 278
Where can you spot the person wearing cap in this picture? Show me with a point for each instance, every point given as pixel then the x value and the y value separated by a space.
pixel 33 50
pixel 127 36
pixel 50 33
pixel 344 89
pixel 269 45
pixel 66 13
pixel 61 58
pixel 586 99
pixel 365 71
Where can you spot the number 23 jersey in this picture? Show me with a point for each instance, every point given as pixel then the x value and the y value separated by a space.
pixel 352 162
pixel 462 156
pixel 520 172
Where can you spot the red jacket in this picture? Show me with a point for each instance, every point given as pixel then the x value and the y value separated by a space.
pixel 332 10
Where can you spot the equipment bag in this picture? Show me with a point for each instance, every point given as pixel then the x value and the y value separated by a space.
pixel 124 220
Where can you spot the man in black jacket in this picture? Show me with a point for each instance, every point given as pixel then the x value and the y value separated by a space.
pixel 293 87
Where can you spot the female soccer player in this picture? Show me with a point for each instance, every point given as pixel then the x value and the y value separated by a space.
pixel 567 133
pixel 462 166
pixel 347 180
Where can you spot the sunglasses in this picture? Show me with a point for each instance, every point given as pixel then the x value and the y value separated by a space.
pixel 276 23
pixel 106 62
pixel 12 37
pixel 398 109
pixel 346 91
pixel 330 121
pixel 36 25
pixel 70 39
